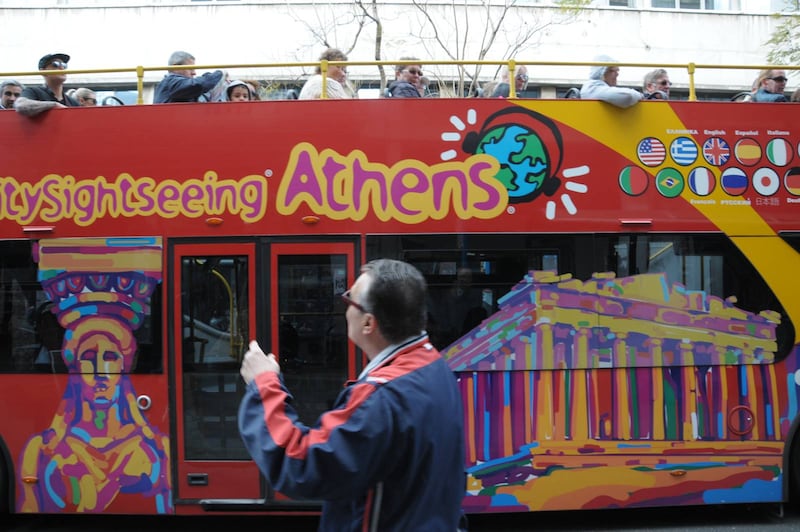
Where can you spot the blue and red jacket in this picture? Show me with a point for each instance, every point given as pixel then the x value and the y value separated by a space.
pixel 388 456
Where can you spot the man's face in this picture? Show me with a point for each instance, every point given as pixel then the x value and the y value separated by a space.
pixel 521 79
pixel 355 316
pixel 611 75
pixel 88 101
pixel 410 74
pixel 189 72
pixel 662 84
pixel 56 64
pixel 10 95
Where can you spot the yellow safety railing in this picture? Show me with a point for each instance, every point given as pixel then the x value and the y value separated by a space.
pixel 511 64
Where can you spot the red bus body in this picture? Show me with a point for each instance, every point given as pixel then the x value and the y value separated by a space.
pixel 588 382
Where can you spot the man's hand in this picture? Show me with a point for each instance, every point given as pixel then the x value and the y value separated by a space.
pixel 255 362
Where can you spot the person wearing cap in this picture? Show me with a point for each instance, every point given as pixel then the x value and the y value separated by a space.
pixel 184 85
pixel 10 90
pixel 602 85
pixel 35 100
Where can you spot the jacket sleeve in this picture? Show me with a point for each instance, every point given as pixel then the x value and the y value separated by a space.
pixel 618 96
pixel 337 458
pixel 186 89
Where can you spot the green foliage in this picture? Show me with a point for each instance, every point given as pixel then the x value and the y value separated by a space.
pixel 573 7
pixel 784 44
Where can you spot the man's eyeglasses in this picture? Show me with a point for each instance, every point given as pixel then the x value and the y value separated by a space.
pixel 93 100
pixel 58 64
pixel 779 79
pixel 416 71
pixel 665 83
pixel 522 77
pixel 346 298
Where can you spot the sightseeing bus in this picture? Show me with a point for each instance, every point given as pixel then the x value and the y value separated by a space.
pixel 616 291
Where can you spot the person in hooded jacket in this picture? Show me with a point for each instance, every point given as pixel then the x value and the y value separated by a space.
pixel 239 91
pixel 602 85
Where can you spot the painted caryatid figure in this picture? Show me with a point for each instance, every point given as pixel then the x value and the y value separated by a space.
pixel 99 446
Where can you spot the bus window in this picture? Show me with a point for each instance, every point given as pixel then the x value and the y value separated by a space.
pixel 214 304
pixel 312 335
pixel 31 336
pixel 468 274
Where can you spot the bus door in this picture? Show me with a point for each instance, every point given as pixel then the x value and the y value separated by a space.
pixel 308 330
pixel 287 296
pixel 213 302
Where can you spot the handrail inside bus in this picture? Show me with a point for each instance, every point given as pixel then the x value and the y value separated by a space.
pixel 323 65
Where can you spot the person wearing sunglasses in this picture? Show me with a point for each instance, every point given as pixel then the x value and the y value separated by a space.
pixel 86 97
pixel 389 455
pixel 35 100
pixel 602 85
pixel 771 86
pixel 503 87
pixel 10 90
pixel 656 85
pixel 407 75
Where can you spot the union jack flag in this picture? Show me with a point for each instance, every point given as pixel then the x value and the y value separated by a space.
pixel 716 151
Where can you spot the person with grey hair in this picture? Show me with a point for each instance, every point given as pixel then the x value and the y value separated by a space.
pixel 503 87
pixel 10 90
pixel 183 85
pixel 407 75
pixel 656 85
pixel 389 455
pixel 602 85
pixel 86 97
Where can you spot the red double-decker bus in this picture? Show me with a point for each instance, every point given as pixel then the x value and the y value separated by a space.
pixel 616 291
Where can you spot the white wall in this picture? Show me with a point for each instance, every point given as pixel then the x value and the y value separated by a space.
pixel 244 33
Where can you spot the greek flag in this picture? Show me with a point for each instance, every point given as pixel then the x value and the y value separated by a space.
pixel 683 151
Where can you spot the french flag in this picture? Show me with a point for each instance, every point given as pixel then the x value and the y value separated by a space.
pixel 701 181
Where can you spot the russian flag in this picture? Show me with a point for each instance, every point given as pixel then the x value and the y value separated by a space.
pixel 734 181
pixel 766 181
pixel 701 181
pixel 779 152
pixel 792 181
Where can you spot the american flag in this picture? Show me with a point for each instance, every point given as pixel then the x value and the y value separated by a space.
pixel 651 151
pixel 716 151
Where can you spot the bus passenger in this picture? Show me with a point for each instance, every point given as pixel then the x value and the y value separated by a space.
pixel 796 95
pixel 656 85
pixel 503 88
pixel 407 75
pixel 239 91
pixel 10 90
pixel 336 82
pixel 35 100
pixel 86 97
pixel 182 85
pixel 602 85
pixel 390 454
pixel 771 85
